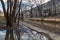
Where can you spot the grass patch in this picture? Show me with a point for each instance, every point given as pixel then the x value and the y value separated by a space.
pixel 2 19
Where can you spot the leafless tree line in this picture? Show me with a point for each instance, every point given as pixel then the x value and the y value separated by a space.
pixel 40 7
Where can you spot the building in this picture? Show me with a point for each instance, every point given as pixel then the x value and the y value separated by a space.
pixel 48 9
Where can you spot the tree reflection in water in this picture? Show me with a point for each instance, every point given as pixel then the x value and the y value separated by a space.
pixel 26 34
pixel 2 34
pixel 29 34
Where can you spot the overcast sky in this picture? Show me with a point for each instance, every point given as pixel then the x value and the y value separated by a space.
pixel 24 1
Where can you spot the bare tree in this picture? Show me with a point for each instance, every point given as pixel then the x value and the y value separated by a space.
pixel 53 2
pixel 9 14
pixel 31 12
pixel 39 6
pixel 31 6
pixel 19 12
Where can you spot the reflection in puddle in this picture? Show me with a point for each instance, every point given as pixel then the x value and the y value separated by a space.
pixel 2 34
pixel 26 34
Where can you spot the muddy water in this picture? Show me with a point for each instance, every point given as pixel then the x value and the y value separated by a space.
pixel 26 34
pixel 2 34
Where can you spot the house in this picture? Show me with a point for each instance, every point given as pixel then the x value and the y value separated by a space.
pixel 48 9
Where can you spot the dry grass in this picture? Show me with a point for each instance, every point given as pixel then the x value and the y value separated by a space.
pixel 46 19
pixel 2 19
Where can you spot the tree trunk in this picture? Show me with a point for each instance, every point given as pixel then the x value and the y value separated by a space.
pixel 9 16
pixel 53 2
pixel 11 35
pixel 31 12
pixel 7 35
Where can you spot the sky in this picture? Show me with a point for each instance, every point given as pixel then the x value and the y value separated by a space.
pixel 1 5
pixel 24 1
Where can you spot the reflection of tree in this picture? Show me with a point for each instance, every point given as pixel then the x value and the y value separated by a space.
pixel 10 15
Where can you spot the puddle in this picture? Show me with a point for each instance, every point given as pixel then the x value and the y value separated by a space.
pixel 2 34
pixel 26 34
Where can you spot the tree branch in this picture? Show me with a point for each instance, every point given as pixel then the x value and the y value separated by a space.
pixel 14 8
pixel 3 6
pixel 19 11
pixel 5 13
